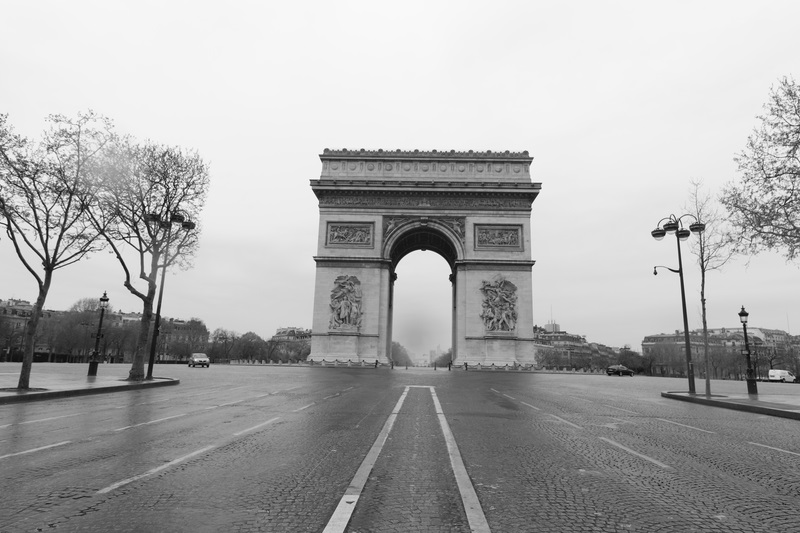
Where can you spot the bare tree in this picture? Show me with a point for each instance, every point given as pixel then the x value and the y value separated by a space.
pixel 222 343
pixel 764 206
pixel 142 180
pixel 44 192
pixel 713 248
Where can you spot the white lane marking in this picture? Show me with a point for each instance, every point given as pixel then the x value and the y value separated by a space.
pixel 304 407
pixel 637 454
pixel 621 409
pixel 579 398
pixel 754 444
pixel 684 425
pixel 151 422
pixel 509 397
pixel 344 510
pixel 472 506
pixel 118 484
pixel 270 421
pixel 531 406
pixel 565 421
pixel 36 449
pixel 252 398
pixel 39 420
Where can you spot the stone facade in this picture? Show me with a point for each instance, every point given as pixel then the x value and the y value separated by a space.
pixel 472 208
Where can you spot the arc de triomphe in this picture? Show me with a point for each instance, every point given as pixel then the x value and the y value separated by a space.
pixel 472 208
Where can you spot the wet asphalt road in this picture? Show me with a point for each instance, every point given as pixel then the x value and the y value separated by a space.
pixel 260 448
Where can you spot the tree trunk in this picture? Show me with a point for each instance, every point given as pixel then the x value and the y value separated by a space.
pixel 30 332
pixel 137 366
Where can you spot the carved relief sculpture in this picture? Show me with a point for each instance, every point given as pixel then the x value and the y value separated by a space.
pixel 499 305
pixel 488 236
pixel 346 303
pixel 350 234
pixel 456 224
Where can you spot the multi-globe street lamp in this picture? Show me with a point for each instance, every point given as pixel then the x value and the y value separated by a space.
pixel 752 387
pixel 93 362
pixel 154 218
pixel 674 225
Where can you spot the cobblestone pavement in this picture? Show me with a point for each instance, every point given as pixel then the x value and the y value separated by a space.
pixel 276 449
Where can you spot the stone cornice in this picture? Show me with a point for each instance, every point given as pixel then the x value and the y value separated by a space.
pixel 389 155
pixel 388 184
pixel 429 165
pixel 355 194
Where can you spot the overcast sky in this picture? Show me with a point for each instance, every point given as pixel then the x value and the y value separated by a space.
pixel 621 104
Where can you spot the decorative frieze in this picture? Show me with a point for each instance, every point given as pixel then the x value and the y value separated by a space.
pixel 499 311
pixel 425 164
pixel 350 234
pixel 456 224
pixel 425 201
pixel 346 307
pixel 492 236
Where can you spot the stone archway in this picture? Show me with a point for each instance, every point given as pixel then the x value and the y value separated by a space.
pixel 472 208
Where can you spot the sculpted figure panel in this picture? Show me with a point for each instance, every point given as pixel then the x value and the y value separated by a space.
pixel 499 305
pixel 346 307
pixel 498 237
pixel 350 234
pixel 456 224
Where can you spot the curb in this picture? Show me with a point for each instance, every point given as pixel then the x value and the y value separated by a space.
pixel 703 400
pixel 32 396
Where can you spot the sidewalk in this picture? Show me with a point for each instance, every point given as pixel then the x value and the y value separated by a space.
pixel 785 406
pixel 49 386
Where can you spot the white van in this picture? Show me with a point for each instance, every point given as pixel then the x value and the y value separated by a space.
pixel 782 375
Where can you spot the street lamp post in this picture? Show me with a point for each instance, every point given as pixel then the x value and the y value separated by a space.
pixel 752 387
pixel 673 224
pixel 175 218
pixel 94 362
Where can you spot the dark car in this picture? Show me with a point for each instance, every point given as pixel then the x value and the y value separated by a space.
pixel 619 370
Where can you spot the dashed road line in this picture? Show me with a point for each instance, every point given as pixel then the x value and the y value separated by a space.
pixel 509 397
pixel 153 471
pixel 620 409
pixel 304 407
pixel 684 425
pixel 270 421
pixel 151 422
pixel 531 406
pixel 39 420
pixel 36 449
pixel 567 422
pixel 579 398
pixel 637 454
pixel 756 444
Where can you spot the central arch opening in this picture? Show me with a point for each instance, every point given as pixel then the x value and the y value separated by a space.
pixel 422 294
pixel 423 300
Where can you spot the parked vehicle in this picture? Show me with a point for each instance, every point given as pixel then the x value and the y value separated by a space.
pixel 783 376
pixel 200 359
pixel 619 370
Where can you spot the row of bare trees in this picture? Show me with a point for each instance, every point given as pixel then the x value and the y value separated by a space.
pixel 82 187
pixel 225 345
